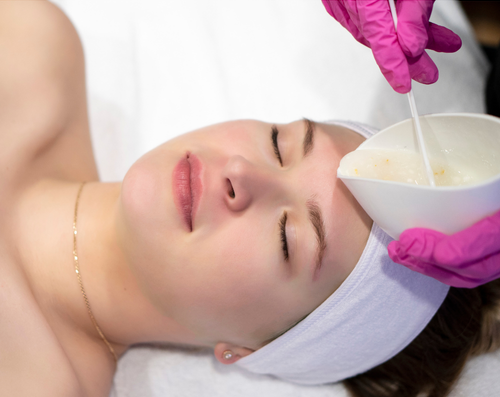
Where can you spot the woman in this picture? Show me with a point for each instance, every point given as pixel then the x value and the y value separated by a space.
pixel 158 264
pixel 46 131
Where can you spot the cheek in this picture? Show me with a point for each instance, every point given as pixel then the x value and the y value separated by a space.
pixel 224 264
pixel 226 278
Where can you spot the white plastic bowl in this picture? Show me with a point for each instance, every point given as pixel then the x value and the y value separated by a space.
pixel 469 139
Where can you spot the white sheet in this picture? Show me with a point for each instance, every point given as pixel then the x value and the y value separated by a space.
pixel 157 68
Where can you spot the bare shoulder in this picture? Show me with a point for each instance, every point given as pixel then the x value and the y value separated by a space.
pixel 40 52
pixel 42 94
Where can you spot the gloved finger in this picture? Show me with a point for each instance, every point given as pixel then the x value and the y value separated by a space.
pixel 447 277
pixel 442 39
pixel 452 277
pixel 490 265
pixel 415 246
pixel 338 11
pixel 417 262
pixel 478 241
pixel 378 29
pixel 423 69
pixel 413 23
pixel 487 268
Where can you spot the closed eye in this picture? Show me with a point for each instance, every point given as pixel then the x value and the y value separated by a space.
pixel 284 243
pixel 274 139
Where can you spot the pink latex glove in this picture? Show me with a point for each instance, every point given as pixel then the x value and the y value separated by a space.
pixel 400 56
pixel 465 259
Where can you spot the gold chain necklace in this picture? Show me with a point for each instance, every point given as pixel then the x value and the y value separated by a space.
pixel 77 270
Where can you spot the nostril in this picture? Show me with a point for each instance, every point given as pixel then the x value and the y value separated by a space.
pixel 230 189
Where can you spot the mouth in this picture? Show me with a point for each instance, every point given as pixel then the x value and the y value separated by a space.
pixel 187 188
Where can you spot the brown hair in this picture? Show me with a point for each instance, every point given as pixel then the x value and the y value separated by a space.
pixel 467 324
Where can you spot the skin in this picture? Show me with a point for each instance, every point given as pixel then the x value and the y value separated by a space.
pixel 234 249
pixel 224 284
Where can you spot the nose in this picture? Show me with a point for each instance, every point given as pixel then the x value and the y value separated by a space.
pixel 247 182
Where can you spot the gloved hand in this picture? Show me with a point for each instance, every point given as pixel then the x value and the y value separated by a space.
pixel 465 259
pixel 400 56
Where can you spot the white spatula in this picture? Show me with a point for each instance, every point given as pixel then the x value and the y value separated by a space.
pixel 414 114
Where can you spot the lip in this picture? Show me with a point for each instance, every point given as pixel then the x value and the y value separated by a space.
pixel 187 187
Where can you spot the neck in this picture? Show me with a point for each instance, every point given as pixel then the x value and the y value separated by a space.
pixel 122 311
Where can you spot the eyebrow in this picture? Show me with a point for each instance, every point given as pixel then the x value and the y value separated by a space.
pixel 308 142
pixel 316 219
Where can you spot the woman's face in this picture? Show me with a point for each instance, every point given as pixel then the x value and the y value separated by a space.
pixel 239 230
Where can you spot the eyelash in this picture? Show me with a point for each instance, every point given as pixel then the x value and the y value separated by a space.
pixel 282 224
pixel 274 139
pixel 284 243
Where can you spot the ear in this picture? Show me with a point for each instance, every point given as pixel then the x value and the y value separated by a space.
pixel 238 352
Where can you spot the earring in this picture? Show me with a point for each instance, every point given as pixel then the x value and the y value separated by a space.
pixel 228 355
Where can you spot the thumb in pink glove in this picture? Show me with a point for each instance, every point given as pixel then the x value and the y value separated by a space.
pixel 400 55
pixel 465 259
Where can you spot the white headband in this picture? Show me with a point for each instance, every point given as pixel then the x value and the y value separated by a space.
pixel 376 312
